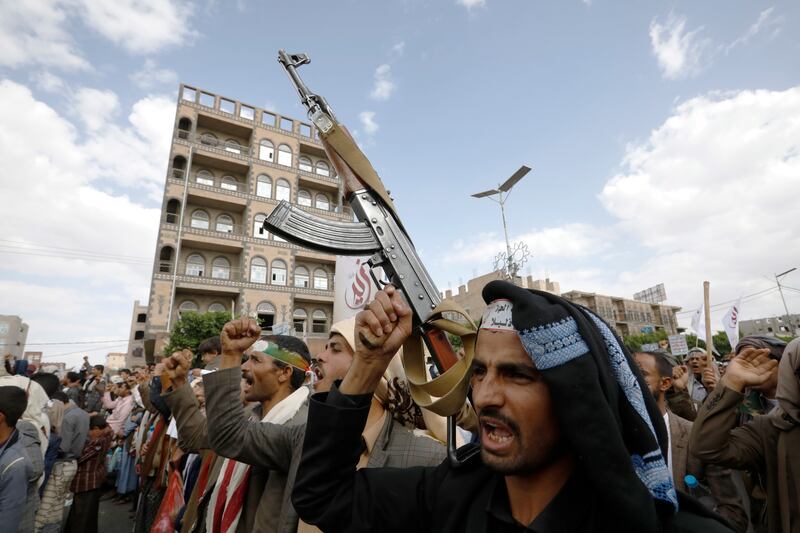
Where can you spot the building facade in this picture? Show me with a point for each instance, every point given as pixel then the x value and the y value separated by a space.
pixel 629 317
pixel 116 361
pixel 230 164
pixel 13 335
pixel 136 336
pixel 469 295
pixel 784 325
pixel 33 357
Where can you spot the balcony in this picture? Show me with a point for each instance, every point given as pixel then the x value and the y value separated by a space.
pixel 227 150
pixel 211 238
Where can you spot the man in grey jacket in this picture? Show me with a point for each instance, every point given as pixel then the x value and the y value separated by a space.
pixel 15 467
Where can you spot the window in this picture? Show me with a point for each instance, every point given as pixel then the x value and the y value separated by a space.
pixel 221 268
pixel 204 177
pixel 305 130
pixel 247 112
pixel 299 316
pixel 320 279
pixel 321 202
pixel 264 186
pixel 224 224
pixel 319 321
pixel 173 206
pixel 209 139
pixel 286 124
pixel 233 146
pixel 187 307
pixel 184 128
pixel 226 106
pixel 165 259
pixel 229 183
pixel 304 163
pixel 189 94
pixel 141 317
pixel 301 278
pixel 207 99
pixel 323 169
pixel 258 270
pixel 217 307
pixel 258 227
pixel 278 272
pixel 200 219
pixel 304 198
pixel 284 155
pixel 195 265
pixel 283 191
pixel 266 315
pixel 268 119
pixel 266 151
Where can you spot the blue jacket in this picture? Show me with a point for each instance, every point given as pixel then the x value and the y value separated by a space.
pixel 15 470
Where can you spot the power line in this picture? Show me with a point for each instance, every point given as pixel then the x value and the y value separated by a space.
pixel 83 351
pixel 47 247
pixel 749 297
pixel 95 258
pixel 65 342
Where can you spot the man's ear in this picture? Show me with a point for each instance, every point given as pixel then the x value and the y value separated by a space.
pixel 666 383
pixel 285 374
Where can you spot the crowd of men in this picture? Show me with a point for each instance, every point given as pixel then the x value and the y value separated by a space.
pixel 563 430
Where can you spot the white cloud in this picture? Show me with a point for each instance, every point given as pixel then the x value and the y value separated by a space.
pixel 150 76
pixel 471 4
pixel 384 85
pixel 399 48
pixel 55 203
pixel 367 119
pixel 95 107
pixel 48 82
pixel 141 26
pixel 767 21
pixel 33 32
pixel 678 51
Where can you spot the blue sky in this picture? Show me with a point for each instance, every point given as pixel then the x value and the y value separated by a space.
pixel 664 138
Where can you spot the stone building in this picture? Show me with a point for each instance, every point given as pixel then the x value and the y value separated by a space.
pixel 136 336
pixel 629 317
pixel 784 325
pixel 13 335
pixel 230 164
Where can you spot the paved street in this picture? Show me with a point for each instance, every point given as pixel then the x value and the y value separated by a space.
pixel 114 518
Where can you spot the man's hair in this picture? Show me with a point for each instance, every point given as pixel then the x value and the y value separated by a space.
pixel 60 396
pixel 98 421
pixel 73 376
pixel 49 382
pixel 101 368
pixel 121 370
pixel 293 344
pixel 13 402
pixel 663 366
pixel 124 383
pixel 211 344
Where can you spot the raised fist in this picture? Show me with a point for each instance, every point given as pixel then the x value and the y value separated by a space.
pixel 176 366
pixel 680 377
pixel 238 335
pixel 383 326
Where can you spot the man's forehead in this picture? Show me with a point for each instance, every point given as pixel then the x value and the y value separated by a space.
pixel 499 347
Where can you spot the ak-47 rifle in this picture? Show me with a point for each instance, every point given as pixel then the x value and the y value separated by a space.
pixel 380 234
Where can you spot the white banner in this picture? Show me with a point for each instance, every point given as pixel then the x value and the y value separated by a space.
pixel 699 324
pixel 677 345
pixel 731 323
pixel 354 286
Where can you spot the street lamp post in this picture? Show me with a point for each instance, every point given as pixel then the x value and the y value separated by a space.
pixel 501 193
pixel 780 290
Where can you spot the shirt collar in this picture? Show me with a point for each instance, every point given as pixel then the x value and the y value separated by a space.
pixel 370 434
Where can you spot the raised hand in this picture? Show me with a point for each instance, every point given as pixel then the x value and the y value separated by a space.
pixel 710 377
pixel 680 377
pixel 176 367
pixel 239 335
pixel 750 368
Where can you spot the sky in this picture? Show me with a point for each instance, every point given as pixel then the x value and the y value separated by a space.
pixel 664 139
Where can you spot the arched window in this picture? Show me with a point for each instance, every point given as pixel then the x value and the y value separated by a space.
pixel 266 315
pixel 258 227
pixel 165 259
pixel 195 265
pixel 232 145
pixel 217 307
pixel 264 186
pixel 278 272
pixel 224 224
pixel 209 139
pixel 221 268
pixel 187 306
pixel 304 163
pixel 319 321
pixel 199 219
pixel 283 191
pixel 284 155
pixel 299 317
pixel 304 198
pixel 301 278
pixel 179 167
pixel 323 169
pixel 204 177
pixel 266 151
pixel 229 183
pixel 258 270
pixel 321 202
pixel 173 208
pixel 320 279
pixel 185 124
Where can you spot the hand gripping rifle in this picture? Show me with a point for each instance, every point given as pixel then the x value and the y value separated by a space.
pixel 380 234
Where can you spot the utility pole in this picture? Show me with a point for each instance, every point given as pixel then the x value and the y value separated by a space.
pixel 780 290
pixel 501 193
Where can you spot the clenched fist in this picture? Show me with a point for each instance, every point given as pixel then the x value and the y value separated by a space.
pixel 239 335
pixel 176 367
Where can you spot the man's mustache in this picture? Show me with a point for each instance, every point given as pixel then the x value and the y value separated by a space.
pixel 493 412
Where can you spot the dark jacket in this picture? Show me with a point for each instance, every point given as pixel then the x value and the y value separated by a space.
pixel 332 495
pixel 15 471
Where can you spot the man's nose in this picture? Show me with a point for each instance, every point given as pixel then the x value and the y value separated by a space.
pixel 487 393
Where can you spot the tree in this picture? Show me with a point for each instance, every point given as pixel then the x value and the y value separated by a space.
pixel 721 344
pixel 193 328
pixel 634 342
